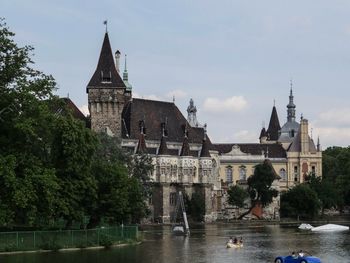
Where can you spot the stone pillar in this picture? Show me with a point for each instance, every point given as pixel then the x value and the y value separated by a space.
pixel 166 203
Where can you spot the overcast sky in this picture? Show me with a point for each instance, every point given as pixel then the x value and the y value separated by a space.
pixel 234 58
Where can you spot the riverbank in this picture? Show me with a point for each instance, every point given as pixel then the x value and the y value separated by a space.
pixel 72 249
pixel 65 240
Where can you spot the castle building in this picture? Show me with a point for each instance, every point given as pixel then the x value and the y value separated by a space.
pixel 183 155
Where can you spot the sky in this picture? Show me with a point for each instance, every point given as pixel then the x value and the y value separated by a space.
pixel 234 58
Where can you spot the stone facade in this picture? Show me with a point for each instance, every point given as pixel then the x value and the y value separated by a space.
pixel 106 106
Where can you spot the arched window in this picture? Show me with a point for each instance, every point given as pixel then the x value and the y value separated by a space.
pixel 229 174
pixel 242 173
pixel 283 174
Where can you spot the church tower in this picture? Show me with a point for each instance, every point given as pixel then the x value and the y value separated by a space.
pixel 107 93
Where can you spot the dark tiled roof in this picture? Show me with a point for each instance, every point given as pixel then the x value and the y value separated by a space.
pixel 63 106
pixel 274 126
pixel 275 150
pixel 205 149
pixel 106 67
pixel 185 149
pixel 163 149
pixel 262 133
pixel 154 113
pixel 295 146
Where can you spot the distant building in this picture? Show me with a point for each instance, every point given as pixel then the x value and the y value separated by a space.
pixel 184 157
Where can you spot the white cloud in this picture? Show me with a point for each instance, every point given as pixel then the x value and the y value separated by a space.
pixel 233 104
pixel 333 127
pixel 84 109
pixel 177 93
pixel 148 97
pixel 339 117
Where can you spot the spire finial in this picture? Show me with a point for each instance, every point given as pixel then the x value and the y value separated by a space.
pixel 105 23
pixel 174 99
pixel 205 130
pixel 311 132
pixel 274 102
pixel 125 69
pixel 291 86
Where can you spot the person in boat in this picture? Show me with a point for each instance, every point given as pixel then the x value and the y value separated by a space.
pixel 235 241
pixel 241 240
pixel 294 256
pixel 230 240
pixel 301 253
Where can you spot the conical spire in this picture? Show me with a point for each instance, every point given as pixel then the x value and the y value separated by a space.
pixel 185 149
pixel 262 133
pixel 106 74
pixel 141 146
pixel 274 126
pixel 291 106
pixel 205 145
pixel 163 149
pixel 126 77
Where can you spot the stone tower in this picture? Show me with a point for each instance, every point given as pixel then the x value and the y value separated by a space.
pixel 107 93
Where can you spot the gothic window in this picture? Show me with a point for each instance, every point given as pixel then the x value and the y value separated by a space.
pixel 296 173
pixel 292 133
pixel 242 173
pixel 283 174
pixel 313 170
pixel 205 172
pixel 172 199
pixel 173 170
pixel 162 171
pixel 106 76
pixel 229 174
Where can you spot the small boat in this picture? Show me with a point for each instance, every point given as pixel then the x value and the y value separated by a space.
pixel 305 227
pixel 330 228
pixel 234 245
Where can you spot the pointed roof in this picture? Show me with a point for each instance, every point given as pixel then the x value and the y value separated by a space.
pixel 185 149
pixel 262 133
pixel 106 74
pixel 295 146
pixel 141 146
pixel 163 149
pixel 205 148
pixel 274 126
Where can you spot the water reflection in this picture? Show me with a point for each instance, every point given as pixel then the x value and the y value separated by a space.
pixel 207 244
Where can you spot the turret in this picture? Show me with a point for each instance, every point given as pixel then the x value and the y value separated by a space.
pixel 106 93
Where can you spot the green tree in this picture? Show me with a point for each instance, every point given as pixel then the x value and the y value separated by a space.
pixel 259 186
pixel 325 190
pixel 72 155
pixel 28 180
pixel 237 195
pixel 300 202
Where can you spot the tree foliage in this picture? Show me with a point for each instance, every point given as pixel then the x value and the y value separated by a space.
pixel 237 195
pixel 300 202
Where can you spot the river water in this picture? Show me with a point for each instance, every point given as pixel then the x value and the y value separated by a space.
pixel 262 243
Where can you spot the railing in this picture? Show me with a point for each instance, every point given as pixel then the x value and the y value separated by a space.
pixel 54 240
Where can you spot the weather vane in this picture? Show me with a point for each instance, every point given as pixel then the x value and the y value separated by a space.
pixel 105 23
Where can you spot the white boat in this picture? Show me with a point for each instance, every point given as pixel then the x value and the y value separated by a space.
pixel 305 227
pixel 330 228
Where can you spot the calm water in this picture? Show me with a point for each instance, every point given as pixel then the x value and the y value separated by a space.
pixel 207 244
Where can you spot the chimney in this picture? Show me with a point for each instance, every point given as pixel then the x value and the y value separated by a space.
pixel 117 60
pixel 304 135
